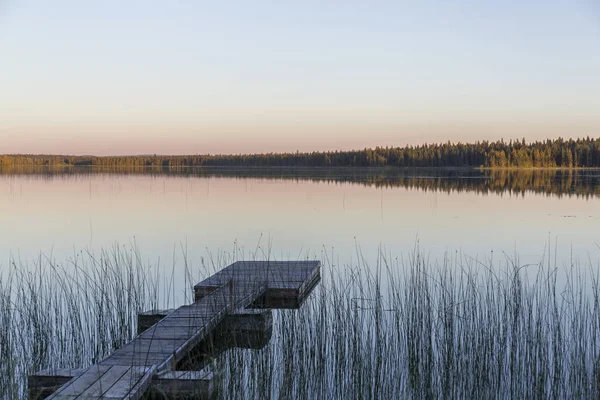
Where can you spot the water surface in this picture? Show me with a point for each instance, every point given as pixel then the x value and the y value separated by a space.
pixel 291 213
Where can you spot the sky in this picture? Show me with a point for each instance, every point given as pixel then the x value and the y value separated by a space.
pixel 182 77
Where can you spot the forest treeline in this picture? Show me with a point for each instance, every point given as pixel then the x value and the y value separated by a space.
pixel 558 153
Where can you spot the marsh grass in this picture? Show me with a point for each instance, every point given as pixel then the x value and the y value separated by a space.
pixel 416 329
pixel 71 314
pixel 385 328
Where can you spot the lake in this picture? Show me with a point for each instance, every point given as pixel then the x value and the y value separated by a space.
pixel 295 213
pixel 419 329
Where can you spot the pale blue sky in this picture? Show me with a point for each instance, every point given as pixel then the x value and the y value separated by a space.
pixel 125 77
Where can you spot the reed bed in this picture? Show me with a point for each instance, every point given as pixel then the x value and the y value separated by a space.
pixel 385 328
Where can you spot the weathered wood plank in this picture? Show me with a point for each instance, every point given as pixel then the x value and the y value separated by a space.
pixel 185 322
pixel 165 333
pixel 145 346
pixel 142 342
pixel 269 264
pixel 132 385
pixel 286 282
pixel 273 277
pixel 77 386
pixel 105 382
pixel 137 359
pixel 259 271
pixel 189 384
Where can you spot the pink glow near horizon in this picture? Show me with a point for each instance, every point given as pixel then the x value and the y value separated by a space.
pixel 250 142
pixel 191 77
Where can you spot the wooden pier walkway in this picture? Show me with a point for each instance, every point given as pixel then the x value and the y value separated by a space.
pixel 224 304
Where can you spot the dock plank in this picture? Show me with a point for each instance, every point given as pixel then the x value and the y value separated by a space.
pixel 105 382
pixel 288 282
pixel 77 386
pixel 131 385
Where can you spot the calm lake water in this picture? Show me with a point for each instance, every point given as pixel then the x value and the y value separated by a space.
pixel 293 214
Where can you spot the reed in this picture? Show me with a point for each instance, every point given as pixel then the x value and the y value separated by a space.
pixel 386 328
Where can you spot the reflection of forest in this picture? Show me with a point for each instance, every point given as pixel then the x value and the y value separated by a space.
pixel 580 183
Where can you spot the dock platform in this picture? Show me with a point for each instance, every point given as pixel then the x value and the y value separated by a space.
pixel 170 353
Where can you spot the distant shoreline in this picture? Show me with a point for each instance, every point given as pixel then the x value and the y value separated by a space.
pixel 300 167
pixel 549 154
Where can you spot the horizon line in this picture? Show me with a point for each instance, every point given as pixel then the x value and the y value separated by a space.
pixel 422 144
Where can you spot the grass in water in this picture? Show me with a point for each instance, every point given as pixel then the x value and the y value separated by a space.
pixel 392 328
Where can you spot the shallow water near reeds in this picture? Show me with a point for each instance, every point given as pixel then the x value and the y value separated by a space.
pixel 436 284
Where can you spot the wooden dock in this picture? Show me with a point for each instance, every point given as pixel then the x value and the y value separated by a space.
pixel 171 352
